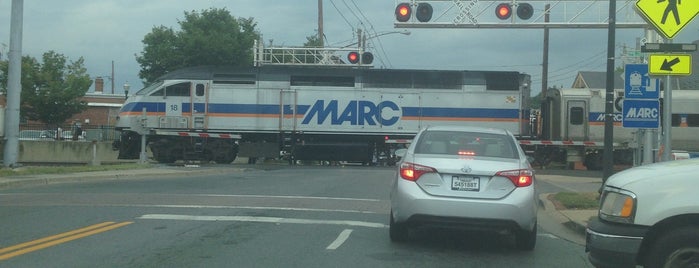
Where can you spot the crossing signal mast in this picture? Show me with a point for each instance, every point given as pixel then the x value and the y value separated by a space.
pixel 319 56
pixel 568 14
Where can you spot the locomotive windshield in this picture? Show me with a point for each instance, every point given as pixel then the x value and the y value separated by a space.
pixel 149 88
pixel 180 89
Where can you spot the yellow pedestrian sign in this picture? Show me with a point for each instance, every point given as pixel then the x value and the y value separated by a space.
pixel 670 64
pixel 668 16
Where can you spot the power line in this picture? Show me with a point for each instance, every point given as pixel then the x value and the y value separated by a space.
pixel 342 15
pixel 353 14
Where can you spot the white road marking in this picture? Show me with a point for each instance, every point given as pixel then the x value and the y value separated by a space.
pixel 253 207
pixel 340 239
pixel 260 219
pixel 289 197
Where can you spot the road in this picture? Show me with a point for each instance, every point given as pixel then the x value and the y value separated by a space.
pixel 279 216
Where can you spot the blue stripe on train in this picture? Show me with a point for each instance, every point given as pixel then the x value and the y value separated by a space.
pixel 273 109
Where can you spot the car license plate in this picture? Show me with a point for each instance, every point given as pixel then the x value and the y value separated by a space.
pixel 465 183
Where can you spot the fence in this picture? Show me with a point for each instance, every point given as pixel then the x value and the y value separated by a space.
pixel 89 133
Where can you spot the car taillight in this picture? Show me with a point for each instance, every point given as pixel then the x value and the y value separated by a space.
pixel 519 177
pixel 412 172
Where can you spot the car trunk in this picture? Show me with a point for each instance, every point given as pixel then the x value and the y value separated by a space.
pixel 467 177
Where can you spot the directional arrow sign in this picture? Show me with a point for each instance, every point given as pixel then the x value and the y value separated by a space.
pixel 668 16
pixel 670 64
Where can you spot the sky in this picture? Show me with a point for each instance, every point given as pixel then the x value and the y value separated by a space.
pixel 111 31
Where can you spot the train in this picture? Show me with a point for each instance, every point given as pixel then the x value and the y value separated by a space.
pixel 219 113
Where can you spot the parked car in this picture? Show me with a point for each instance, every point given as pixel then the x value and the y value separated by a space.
pixel 649 216
pixel 465 178
pixel 35 135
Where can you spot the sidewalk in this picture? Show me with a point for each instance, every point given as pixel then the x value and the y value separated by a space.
pixel 574 219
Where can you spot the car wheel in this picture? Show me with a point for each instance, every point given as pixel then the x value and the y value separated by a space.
pixel 677 248
pixel 525 240
pixel 397 231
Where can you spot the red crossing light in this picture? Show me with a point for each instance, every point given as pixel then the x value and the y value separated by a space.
pixel 353 57
pixel 503 11
pixel 403 12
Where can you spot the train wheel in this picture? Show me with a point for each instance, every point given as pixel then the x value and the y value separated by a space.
pixel 593 161
pixel 207 156
pixel 166 158
pixel 170 156
pixel 224 158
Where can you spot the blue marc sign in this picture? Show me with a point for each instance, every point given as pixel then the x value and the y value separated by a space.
pixel 641 114
pixel 638 84
pixel 356 113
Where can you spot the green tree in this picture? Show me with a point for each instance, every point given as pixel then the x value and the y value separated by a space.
pixel 51 89
pixel 312 41
pixel 209 37
pixel 536 101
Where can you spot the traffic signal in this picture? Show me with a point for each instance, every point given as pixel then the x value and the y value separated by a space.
pixel 403 12
pixel 504 11
pixel 423 12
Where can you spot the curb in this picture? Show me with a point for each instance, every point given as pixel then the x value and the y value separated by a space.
pixel 153 172
pixel 566 221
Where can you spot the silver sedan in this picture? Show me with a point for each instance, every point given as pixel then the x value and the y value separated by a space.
pixel 467 178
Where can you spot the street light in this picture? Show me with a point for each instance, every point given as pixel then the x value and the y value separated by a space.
pixel 126 90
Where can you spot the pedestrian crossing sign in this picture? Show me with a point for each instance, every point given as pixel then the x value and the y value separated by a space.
pixel 668 16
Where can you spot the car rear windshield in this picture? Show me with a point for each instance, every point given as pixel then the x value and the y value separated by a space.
pixel 466 144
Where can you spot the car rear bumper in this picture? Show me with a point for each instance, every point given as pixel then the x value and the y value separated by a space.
pixel 613 245
pixel 413 206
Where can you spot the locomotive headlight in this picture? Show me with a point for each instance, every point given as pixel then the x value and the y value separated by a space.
pixel 617 205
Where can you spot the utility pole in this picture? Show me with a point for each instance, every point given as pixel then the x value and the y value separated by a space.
pixel 545 77
pixel 608 154
pixel 14 85
pixel 320 23
pixel 112 77
pixel 545 69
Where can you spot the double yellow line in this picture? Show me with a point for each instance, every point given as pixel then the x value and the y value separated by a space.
pixel 31 246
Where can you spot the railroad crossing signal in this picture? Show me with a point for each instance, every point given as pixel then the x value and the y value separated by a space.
pixel 670 64
pixel 423 12
pixel 503 11
pixel 668 16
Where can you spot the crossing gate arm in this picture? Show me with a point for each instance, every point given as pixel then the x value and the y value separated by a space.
pixel 199 134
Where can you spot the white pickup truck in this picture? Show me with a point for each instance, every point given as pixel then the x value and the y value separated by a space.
pixel 649 216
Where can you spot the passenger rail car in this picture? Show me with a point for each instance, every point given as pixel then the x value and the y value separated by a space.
pixel 572 126
pixel 312 113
